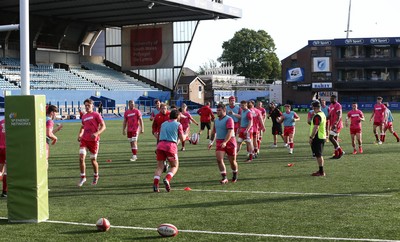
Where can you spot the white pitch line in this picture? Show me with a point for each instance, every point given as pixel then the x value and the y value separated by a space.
pixel 298 193
pixel 228 233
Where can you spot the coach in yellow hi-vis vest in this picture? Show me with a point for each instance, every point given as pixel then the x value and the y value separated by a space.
pixel 318 136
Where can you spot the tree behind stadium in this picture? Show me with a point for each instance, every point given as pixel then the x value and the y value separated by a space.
pixel 252 54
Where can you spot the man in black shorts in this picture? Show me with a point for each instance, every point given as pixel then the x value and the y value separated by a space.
pixel 318 136
pixel 275 113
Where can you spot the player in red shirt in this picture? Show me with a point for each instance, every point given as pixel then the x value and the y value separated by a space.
pixel 3 163
pixel 132 125
pixel 185 120
pixel 50 131
pixel 379 116
pixel 336 124
pixel 160 118
pixel 89 135
pixel 206 117
pixel 355 116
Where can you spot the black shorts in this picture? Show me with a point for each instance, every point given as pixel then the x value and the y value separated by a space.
pixel 203 125
pixel 276 129
pixel 317 147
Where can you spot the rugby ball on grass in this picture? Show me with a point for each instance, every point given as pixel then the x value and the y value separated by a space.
pixel 167 230
pixel 103 225
pixel 194 139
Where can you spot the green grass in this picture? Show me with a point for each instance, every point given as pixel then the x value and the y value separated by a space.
pixel 260 203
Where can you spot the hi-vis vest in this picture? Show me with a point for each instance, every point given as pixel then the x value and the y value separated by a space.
pixel 321 128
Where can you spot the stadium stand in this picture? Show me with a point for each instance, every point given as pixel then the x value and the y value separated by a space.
pixel 109 78
pixel 46 77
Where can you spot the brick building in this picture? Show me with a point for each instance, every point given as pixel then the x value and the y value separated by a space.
pixel 355 69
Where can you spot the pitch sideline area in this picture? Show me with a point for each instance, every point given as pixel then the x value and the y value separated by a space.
pixel 224 233
pixel 297 193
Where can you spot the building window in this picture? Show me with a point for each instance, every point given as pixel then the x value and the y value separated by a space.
pixel 380 52
pixel 314 53
pixel 354 52
pixel 183 89
pixel 351 75
pixel 200 92
pixel 321 76
pixel 328 52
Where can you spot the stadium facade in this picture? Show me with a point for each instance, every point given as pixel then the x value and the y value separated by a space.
pixel 355 69
pixel 124 35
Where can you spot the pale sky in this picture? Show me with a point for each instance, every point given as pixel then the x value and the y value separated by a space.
pixel 291 23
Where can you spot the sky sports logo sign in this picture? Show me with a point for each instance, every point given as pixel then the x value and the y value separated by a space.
pixel 379 41
pixel 322 43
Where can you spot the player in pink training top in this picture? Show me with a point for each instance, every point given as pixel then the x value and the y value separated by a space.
pixel 245 131
pixel 355 116
pixel 336 124
pixel 167 149
pixel 50 130
pixel 89 135
pixel 260 107
pixel 379 116
pixel 3 163
pixel 185 120
pixel 132 125
pixel 258 126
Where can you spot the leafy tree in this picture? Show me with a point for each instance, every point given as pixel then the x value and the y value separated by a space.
pixel 252 54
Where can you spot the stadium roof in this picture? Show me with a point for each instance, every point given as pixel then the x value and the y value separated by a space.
pixel 106 13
